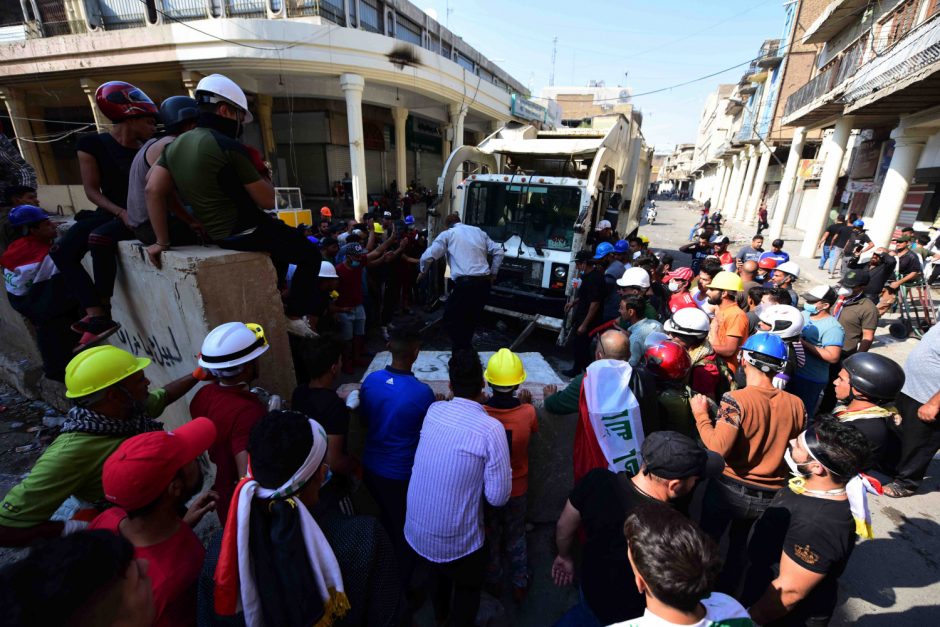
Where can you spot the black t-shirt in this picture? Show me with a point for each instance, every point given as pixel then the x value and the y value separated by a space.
pixel 698 254
pixel 323 405
pixel 816 533
pixel 842 235
pixel 832 231
pixel 855 239
pixel 114 164
pixel 604 500
pixel 907 263
pixel 591 291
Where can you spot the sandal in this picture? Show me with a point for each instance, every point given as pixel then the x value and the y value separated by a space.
pixel 897 492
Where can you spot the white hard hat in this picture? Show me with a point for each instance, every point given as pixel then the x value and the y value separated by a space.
pixel 603 224
pixel 216 87
pixel 784 320
pixel 634 277
pixel 789 267
pixel 327 270
pixel 232 344
pixel 688 321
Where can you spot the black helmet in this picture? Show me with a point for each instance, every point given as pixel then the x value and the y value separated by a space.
pixel 875 376
pixel 176 110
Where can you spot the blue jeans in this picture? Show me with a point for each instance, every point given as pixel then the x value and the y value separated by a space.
pixel 579 616
pixel 809 392
pixel 825 256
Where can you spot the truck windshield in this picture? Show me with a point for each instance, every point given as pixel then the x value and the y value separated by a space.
pixel 541 215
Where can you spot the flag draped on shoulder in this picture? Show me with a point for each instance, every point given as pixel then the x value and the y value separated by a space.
pixel 610 431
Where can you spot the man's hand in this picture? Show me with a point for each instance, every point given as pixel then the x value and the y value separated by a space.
pixel 928 412
pixel 421 276
pixel 202 505
pixel 200 230
pixel 153 252
pixel 699 405
pixel 581 330
pixel 563 571
pixel 525 396
pixel 894 285
pixel 569 305
pixel 548 390
pixel 125 219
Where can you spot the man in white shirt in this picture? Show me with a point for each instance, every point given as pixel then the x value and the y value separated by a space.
pixel 676 566
pixel 466 248
pixel 462 458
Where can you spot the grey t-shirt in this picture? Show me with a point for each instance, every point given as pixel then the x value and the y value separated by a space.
pixel 921 368
pixel 136 185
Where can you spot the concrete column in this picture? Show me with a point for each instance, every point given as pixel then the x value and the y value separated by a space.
pixel 90 87
pixel 750 211
pixel 748 183
pixel 723 184
pixel 16 107
pixel 190 80
pixel 265 107
pixel 734 187
pixel 835 153
pixel 787 184
pixel 352 85
pixel 907 150
pixel 400 115
pixel 458 113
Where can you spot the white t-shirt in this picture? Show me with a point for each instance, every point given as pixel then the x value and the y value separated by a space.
pixel 720 611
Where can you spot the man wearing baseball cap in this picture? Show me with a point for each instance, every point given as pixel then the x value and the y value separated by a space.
pixel 678 282
pixel 149 479
pixel 822 338
pixel 588 306
pixel 112 403
pixel 603 232
pixel 672 465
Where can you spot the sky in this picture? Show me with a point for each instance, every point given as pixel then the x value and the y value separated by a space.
pixel 641 44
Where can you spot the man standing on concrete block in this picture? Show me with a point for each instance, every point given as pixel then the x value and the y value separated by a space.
pixel 466 248
pixel 112 403
pixel 217 175
pixel 462 458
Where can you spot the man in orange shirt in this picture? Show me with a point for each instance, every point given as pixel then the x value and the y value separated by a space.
pixel 729 326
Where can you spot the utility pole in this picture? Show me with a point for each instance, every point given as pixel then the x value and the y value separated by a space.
pixel 551 79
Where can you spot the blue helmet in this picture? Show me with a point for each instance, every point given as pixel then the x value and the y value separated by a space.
pixel 621 246
pixel 409 220
pixel 766 352
pixel 313 240
pixel 603 249
pixel 859 223
pixel 23 215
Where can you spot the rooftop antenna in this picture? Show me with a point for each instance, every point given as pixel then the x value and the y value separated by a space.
pixel 551 79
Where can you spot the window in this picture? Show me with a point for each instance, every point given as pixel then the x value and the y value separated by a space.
pixel 334 11
pixel 446 50
pixel 934 7
pixel 465 62
pixel 901 22
pixel 407 30
pixel 370 17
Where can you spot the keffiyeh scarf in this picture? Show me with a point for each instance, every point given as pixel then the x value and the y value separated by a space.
pixel 84 420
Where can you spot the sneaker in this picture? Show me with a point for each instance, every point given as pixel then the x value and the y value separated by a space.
pixel 95 330
pixel 300 327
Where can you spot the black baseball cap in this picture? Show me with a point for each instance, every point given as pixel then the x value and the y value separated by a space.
pixel 671 455
pixel 584 255
pixel 854 278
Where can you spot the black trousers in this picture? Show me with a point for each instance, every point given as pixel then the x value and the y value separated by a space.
pixel 391 495
pixel 580 349
pixel 99 234
pixel 920 441
pixel 456 588
pixel 286 245
pixel 464 309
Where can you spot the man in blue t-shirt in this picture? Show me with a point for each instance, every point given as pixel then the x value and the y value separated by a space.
pixel 393 404
pixel 776 252
pixel 822 339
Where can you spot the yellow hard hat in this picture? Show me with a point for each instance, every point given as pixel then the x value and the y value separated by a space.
pixel 98 368
pixel 725 280
pixel 504 369
pixel 378 229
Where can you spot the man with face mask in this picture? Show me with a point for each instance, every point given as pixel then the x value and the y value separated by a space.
pixel 859 319
pixel 112 403
pixel 909 269
pixel 230 353
pixel 803 542
pixel 678 283
pixel 217 176
pixel 822 339
pixel 672 465
pixel 149 479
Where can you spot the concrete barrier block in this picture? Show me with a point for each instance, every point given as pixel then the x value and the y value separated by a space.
pixel 20 363
pixel 551 469
pixel 165 313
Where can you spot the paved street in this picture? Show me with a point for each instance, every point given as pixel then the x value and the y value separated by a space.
pixel 893 579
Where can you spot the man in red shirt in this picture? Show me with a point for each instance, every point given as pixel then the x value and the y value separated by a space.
pixel 678 282
pixel 230 353
pixel 351 314
pixel 148 479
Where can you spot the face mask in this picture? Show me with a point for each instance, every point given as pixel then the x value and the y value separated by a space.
pixel 794 467
pixel 844 291
pixel 355 264
pixel 760 309
pixel 810 308
pixel 673 286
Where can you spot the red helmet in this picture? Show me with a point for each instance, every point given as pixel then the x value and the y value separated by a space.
pixel 121 101
pixel 667 361
pixel 767 263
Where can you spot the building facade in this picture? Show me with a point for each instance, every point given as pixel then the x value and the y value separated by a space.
pixel 374 89
pixel 876 75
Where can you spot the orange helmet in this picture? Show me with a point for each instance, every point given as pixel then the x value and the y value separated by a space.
pixel 767 263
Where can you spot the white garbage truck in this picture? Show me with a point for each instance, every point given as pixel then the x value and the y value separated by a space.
pixel 540 193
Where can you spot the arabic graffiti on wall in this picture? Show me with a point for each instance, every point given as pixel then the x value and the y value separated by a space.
pixel 163 351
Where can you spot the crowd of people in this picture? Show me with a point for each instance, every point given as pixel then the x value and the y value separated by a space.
pixel 716 406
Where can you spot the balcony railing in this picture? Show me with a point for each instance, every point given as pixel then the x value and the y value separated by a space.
pixel 837 73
